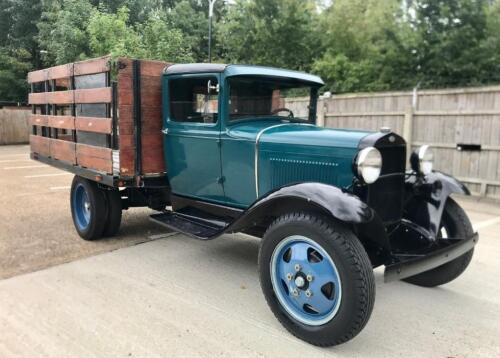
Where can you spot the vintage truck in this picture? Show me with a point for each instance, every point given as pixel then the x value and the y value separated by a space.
pixel 216 149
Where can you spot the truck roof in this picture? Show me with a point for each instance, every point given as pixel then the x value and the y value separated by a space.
pixel 241 70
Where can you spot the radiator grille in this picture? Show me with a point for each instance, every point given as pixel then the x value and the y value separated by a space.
pixel 285 171
pixel 385 196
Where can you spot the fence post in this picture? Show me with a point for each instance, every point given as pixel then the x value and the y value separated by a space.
pixel 320 109
pixel 407 130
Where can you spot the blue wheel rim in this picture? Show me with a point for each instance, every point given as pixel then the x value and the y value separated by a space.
pixel 305 280
pixel 81 207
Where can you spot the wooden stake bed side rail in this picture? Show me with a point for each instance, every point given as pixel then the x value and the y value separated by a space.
pixel 83 123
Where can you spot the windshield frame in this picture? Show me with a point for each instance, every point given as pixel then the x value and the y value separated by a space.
pixel 313 99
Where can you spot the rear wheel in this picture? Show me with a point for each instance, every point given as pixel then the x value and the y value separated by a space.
pixel 87 208
pixel 114 212
pixel 454 224
pixel 317 278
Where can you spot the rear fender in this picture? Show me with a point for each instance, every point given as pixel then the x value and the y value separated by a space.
pixel 324 198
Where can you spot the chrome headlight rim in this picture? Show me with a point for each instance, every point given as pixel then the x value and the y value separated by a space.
pixel 368 165
pixel 422 160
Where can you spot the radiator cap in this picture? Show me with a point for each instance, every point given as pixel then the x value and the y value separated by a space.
pixel 385 129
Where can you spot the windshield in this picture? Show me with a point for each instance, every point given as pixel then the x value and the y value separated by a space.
pixel 257 97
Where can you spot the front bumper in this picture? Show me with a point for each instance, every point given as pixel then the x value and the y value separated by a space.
pixel 410 265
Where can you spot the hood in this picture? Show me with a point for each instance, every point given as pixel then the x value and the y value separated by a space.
pixel 297 134
pixel 288 153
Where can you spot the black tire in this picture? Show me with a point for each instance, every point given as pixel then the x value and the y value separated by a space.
pixel 457 225
pixel 114 212
pixel 353 267
pixel 93 228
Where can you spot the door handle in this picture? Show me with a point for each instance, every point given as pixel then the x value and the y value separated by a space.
pixel 165 131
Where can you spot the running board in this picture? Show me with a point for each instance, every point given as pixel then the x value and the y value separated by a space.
pixel 192 226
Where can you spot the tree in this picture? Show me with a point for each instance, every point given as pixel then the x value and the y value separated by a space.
pixel 163 42
pixel 367 46
pixel 62 31
pixel 450 33
pixel 271 32
pixel 14 65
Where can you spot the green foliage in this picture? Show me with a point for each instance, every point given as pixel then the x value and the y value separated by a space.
pixel 163 42
pixel 110 34
pixel 14 65
pixel 355 45
pixel 363 40
pixel 450 34
pixel 271 32
pixel 63 31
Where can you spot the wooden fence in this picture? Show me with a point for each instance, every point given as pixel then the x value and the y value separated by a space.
pixel 14 125
pixel 463 126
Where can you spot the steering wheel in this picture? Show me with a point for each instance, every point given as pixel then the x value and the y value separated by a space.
pixel 283 109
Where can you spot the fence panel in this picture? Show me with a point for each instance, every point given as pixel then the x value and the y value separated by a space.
pixel 450 120
pixel 14 125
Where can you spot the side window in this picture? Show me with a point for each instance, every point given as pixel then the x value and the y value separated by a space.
pixel 194 100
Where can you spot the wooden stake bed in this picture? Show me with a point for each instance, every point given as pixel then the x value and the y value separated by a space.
pixel 100 119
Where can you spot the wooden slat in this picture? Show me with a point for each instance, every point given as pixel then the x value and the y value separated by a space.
pixel 127 161
pixel 37 76
pixel 38 120
pixel 62 71
pixel 40 145
pixel 153 68
pixel 94 151
pixel 96 65
pixel 63 122
pixel 59 97
pixel 94 124
pixel 93 157
pixel 93 95
pixel 37 98
pixel 63 150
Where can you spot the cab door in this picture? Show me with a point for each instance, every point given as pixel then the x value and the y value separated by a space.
pixel 192 129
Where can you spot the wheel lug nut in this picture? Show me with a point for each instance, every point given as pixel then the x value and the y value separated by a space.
pixel 297 267
pixel 289 276
pixel 309 278
pixel 295 292
pixel 309 293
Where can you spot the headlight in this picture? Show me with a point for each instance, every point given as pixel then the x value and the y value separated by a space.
pixel 422 160
pixel 369 164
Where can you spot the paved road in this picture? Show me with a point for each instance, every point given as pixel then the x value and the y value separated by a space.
pixel 176 296
pixel 36 229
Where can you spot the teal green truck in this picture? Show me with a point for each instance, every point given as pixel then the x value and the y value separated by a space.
pixel 330 205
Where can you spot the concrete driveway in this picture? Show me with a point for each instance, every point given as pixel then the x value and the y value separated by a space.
pixel 175 296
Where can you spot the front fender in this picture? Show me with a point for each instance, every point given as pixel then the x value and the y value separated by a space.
pixel 427 198
pixel 328 199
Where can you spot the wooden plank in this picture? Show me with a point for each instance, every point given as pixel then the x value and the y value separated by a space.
pixel 93 157
pixel 88 67
pixel 39 120
pixel 37 98
pixel 37 76
pixel 127 162
pixel 59 97
pixel 40 145
pixel 94 151
pixel 153 68
pixel 62 71
pixel 63 150
pixel 63 122
pixel 93 95
pixel 94 124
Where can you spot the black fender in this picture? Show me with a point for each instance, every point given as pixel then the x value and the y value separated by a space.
pixel 426 198
pixel 327 199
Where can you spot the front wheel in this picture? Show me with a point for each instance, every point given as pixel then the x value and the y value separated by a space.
pixel 317 278
pixel 454 224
